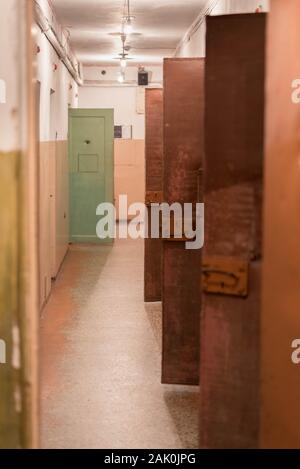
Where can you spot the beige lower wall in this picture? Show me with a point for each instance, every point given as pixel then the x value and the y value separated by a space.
pixel 54 212
pixel 61 205
pixel 129 170
pixel 44 222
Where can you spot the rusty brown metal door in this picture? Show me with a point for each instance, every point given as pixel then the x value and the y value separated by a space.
pixel 154 186
pixel 234 133
pixel 183 155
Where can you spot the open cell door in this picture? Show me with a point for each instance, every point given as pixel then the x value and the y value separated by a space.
pixel 183 157
pixel 234 135
pixel 154 187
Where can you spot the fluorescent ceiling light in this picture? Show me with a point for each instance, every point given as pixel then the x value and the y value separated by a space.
pixel 121 78
pixel 128 27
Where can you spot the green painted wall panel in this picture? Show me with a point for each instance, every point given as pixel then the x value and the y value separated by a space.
pixel 10 417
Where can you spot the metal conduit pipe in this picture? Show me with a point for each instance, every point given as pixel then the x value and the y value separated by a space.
pixel 47 29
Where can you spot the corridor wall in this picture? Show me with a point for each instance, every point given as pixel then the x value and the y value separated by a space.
pixel 58 92
pixel 103 91
pixel 18 222
pixel 280 325
pixel 129 153
pixel 232 254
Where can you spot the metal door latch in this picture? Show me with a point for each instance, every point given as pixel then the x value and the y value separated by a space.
pixel 225 275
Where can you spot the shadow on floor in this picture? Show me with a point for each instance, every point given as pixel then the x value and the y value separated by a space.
pixel 183 406
pixel 82 269
pixel 182 402
pixel 78 277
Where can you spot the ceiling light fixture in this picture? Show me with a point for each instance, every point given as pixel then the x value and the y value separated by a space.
pixel 128 27
pixel 123 56
pixel 121 77
pixel 127 19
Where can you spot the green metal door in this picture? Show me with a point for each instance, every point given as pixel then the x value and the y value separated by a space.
pixel 91 137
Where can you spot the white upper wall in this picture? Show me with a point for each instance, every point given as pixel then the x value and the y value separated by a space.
pixel 64 86
pixel 131 73
pixel 194 46
pixel 225 7
pixel 10 73
pixel 121 98
pixel 12 78
pixel 53 117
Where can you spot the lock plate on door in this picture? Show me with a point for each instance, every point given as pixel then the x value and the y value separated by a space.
pixel 225 275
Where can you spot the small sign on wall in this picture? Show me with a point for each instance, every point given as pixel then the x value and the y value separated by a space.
pixel 123 131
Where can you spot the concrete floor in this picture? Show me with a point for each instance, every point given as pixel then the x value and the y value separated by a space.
pixel 100 359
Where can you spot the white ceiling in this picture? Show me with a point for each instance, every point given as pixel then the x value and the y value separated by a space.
pixel 162 23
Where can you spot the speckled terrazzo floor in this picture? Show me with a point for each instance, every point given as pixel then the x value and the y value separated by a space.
pixel 100 359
